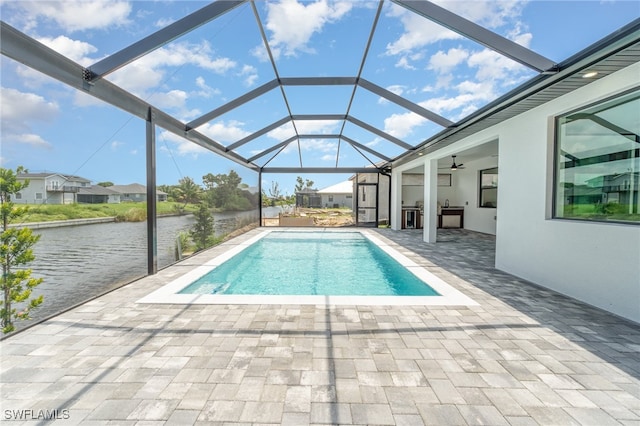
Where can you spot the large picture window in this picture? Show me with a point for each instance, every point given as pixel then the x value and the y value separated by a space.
pixel 597 172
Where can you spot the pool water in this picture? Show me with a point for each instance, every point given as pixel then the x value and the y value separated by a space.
pixel 311 263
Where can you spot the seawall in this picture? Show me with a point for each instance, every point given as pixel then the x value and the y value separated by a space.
pixel 60 223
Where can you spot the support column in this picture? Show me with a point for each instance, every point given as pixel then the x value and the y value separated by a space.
pixel 430 225
pixel 152 227
pixel 396 200
pixel 260 198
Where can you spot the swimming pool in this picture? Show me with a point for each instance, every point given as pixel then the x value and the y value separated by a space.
pixel 226 256
pixel 312 263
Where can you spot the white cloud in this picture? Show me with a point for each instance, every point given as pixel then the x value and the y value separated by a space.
pixel 403 63
pixel 317 126
pixel 164 22
pixel 20 111
pixel 173 99
pixel 446 61
pixel 224 132
pixel 205 90
pixel 282 133
pixel 250 74
pixel 397 89
pixel 493 66
pixel 149 71
pixel 183 146
pixel 314 145
pixel 115 145
pixel 75 15
pixel 34 140
pixel 418 32
pixel 401 125
pixel 292 24
pixel 75 50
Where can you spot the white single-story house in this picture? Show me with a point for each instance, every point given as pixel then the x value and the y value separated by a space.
pixel 338 195
pixel 136 192
pixel 50 188
pixel 565 207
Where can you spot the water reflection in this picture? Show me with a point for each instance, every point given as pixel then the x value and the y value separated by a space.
pixel 80 262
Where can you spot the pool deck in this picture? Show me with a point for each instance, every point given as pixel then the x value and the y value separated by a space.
pixel 523 356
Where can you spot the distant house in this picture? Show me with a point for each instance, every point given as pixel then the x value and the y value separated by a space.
pixel 617 188
pixel 308 198
pixel 98 195
pixel 136 192
pixel 50 188
pixel 338 195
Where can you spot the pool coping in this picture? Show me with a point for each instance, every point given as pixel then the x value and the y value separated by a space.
pixel 168 294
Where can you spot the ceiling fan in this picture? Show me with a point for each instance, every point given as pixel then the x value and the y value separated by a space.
pixel 454 166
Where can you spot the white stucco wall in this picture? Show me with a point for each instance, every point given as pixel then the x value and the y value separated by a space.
pixel 480 219
pixel 598 263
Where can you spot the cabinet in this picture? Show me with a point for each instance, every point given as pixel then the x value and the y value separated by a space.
pixel 411 218
pixel 451 217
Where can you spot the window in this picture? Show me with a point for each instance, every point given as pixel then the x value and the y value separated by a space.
pixel 38 195
pixel 597 165
pixel 18 196
pixel 330 197
pixel 489 188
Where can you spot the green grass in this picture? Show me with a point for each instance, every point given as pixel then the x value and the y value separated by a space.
pixel 133 212
pixel 603 212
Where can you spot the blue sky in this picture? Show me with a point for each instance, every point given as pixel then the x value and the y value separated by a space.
pixel 49 126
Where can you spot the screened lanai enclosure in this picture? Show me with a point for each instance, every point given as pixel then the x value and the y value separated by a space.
pixel 268 90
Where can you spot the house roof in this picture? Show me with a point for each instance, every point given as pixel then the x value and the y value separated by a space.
pixel 97 190
pixel 345 187
pixel 44 175
pixel 132 188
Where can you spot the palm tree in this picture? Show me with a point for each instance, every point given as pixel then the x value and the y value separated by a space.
pixel 188 191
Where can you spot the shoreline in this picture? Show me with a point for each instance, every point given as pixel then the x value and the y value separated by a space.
pixel 62 223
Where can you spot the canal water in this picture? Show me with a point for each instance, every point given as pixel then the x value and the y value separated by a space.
pixel 81 262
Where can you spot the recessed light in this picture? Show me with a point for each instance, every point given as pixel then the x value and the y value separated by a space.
pixel 589 74
pixel 421 153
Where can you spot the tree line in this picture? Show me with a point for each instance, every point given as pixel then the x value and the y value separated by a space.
pixel 224 192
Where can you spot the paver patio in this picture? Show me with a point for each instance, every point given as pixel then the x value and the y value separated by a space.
pixel 524 356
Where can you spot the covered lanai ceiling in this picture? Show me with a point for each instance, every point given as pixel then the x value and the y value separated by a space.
pixel 395 77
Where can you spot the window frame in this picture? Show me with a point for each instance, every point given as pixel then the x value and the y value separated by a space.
pixel 556 159
pixel 481 189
